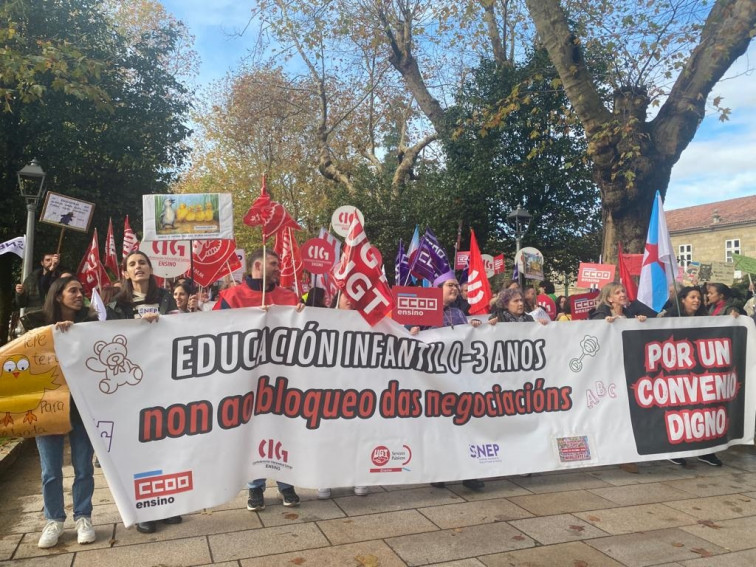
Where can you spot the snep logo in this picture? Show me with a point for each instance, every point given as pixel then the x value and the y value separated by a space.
pixel 153 488
pixel 485 453
pixel 272 455
pixel 271 449
pixel 385 459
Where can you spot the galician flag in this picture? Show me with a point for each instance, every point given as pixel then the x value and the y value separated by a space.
pixel 659 266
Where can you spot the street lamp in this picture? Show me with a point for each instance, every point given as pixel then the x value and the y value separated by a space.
pixel 519 219
pixel 31 180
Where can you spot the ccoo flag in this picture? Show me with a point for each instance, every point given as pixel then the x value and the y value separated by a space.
pixel 659 266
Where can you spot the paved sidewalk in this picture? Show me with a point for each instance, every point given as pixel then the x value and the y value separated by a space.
pixel 602 517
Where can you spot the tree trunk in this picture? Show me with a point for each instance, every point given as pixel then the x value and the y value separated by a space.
pixel 633 158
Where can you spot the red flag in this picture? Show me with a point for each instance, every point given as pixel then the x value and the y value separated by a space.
pixel 91 272
pixel 291 260
pixel 360 276
pixel 111 260
pixel 271 215
pixel 478 289
pixel 625 278
pixel 130 241
pixel 212 259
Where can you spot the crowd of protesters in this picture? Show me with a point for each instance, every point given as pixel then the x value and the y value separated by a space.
pixel 52 296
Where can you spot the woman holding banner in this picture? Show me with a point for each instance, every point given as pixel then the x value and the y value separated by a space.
pixel 339 301
pixel 64 306
pixel 453 316
pixel 141 298
pixel 612 304
pixel 690 304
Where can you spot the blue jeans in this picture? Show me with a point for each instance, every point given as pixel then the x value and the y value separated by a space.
pixel 51 458
pixel 260 483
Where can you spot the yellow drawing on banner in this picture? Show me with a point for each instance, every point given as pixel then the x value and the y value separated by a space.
pixel 20 390
pixel 34 397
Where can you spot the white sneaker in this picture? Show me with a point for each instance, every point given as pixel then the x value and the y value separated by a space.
pixel 85 531
pixel 361 490
pixel 51 533
pixel 324 493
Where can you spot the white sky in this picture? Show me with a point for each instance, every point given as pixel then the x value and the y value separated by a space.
pixel 719 164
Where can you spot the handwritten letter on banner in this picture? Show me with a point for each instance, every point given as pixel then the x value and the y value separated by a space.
pixel 184 411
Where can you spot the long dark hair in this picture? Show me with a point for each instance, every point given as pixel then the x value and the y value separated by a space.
pixel 682 294
pixel 126 296
pixel 52 310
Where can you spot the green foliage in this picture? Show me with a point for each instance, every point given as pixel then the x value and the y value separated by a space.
pixel 518 142
pixel 108 143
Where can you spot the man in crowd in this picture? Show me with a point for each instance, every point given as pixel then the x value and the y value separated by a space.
pixel 30 295
pixel 264 270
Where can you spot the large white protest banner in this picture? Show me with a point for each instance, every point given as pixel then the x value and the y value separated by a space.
pixel 184 411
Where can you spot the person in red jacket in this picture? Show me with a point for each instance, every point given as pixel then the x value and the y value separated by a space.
pixel 250 294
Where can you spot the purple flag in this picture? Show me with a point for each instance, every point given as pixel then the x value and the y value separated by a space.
pixel 401 268
pixel 430 260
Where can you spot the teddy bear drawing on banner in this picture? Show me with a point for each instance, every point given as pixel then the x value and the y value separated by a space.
pixel 112 361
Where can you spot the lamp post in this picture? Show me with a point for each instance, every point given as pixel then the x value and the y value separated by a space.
pixel 31 180
pixel 519 220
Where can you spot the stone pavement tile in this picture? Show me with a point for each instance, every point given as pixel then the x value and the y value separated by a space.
pixel 472 513
pixel 102 496
pixel 375 526
pixel 703 486
pixel 631 519
pixel 745 558
pixel 541 484
pixel 66 544
pixel 647 472
pixel 105 514
pixel 265 541
pixel 99 481
pixel 21 523
pixel 65 560
pixel 734 535
pixel 458 543
pixel 561 502
pixel 311 511
pixel 573 554
pixel 460 563
pixel 654 547
pixel 224 564
pixel 193 525
pixel 395 487
pixel 718 507
pixel 495 488
pixel 29 503
pixel 640 493
pixel 397 500
pixel 740 457
pixel 8 544
pixel 557 529
pixel 177 553
pixel 239 502
pixel 362 554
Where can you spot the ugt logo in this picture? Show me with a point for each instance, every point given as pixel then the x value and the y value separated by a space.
pixel 272 449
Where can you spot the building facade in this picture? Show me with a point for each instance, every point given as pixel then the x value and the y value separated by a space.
pixel 712 233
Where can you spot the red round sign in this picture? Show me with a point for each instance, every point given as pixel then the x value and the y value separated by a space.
pixel 318 255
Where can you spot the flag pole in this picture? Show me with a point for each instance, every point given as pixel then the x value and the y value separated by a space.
pixel 293 262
